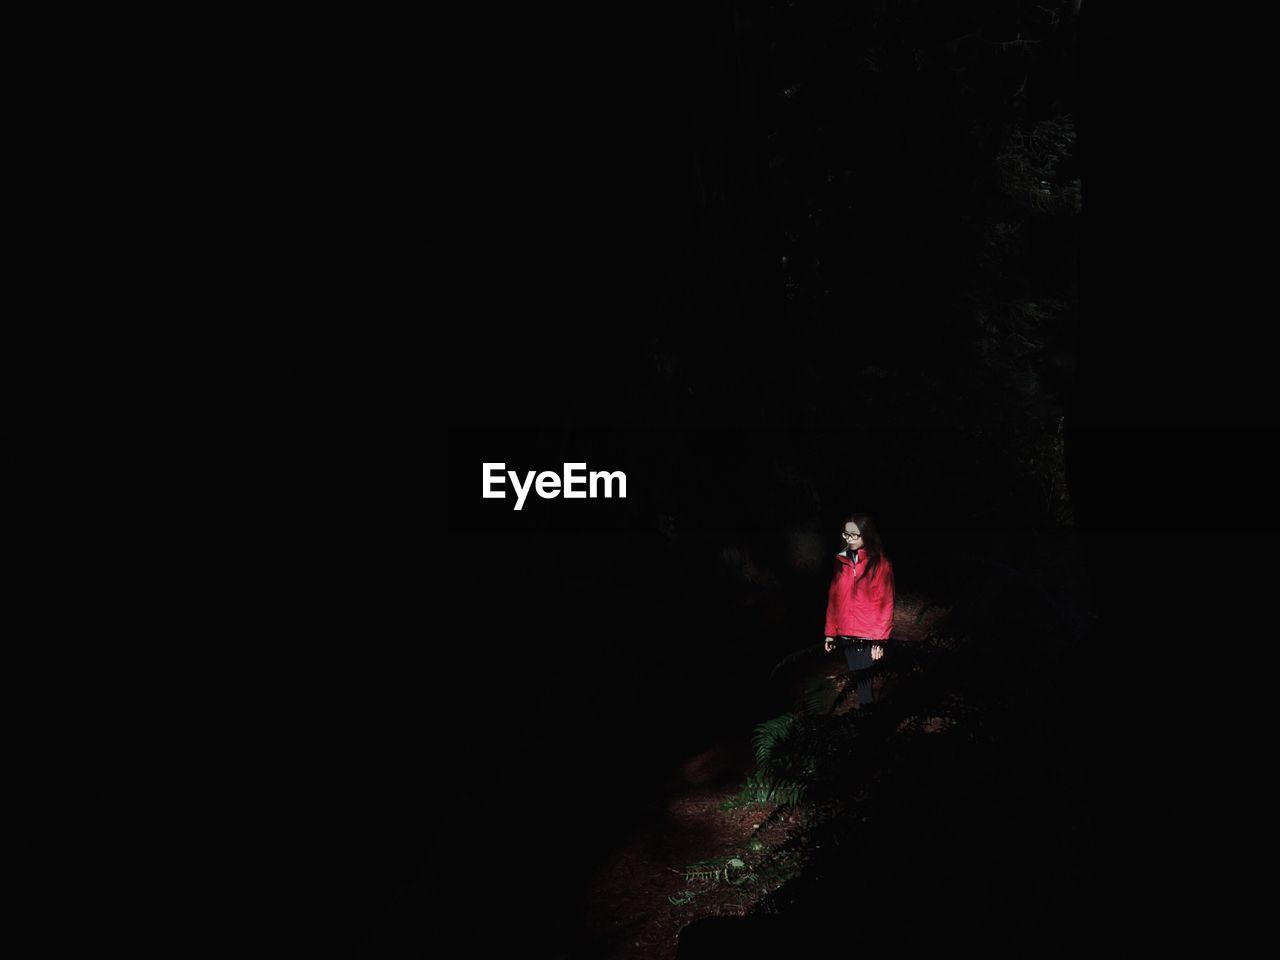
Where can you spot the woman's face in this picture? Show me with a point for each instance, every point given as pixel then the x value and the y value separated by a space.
pixel 852 535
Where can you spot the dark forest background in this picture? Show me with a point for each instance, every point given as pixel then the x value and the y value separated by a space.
pixel 777 261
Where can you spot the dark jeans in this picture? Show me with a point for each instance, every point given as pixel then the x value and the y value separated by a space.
pixel 858 655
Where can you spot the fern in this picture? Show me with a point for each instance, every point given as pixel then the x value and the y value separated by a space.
pixel 761 788
pixel 787 792
pixel 769 734
pixel 732 870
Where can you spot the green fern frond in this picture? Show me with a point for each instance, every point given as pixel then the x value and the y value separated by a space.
pixel 787 792
pixel 761 788
pixel 729 869
pixel 769 734
pixel 692 875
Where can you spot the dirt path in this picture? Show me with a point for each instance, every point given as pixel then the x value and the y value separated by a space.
pixel 630 913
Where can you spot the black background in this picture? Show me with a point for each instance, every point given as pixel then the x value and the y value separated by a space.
pixel 522 678
pixel 399 711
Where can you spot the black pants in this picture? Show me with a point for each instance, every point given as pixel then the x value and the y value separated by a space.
pixel 858 655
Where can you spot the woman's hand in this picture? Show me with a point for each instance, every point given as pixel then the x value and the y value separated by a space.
pixel 877 651
pixel 830 644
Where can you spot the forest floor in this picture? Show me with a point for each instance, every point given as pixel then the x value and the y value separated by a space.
pixel 630 909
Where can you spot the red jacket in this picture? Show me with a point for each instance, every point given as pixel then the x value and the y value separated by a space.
pixel 857 606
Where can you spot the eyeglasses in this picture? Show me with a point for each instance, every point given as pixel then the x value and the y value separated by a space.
pixel 851 536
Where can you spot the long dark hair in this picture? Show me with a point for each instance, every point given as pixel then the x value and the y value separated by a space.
pixel 870 540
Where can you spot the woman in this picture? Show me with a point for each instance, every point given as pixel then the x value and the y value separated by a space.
pixel 860 601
